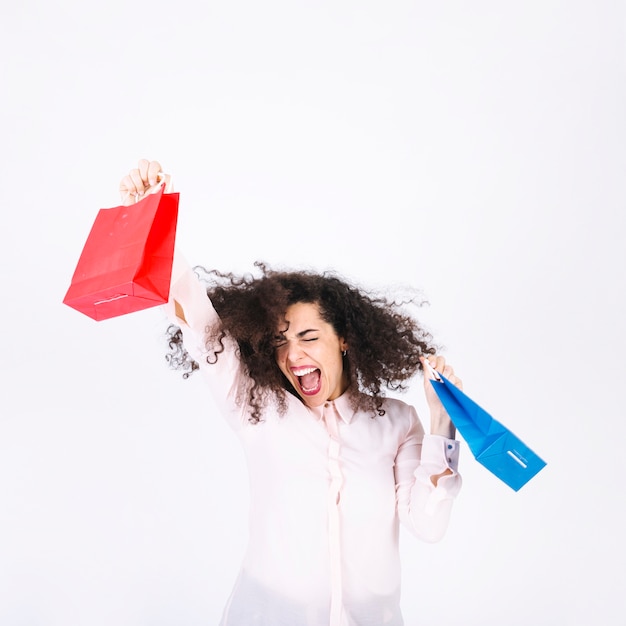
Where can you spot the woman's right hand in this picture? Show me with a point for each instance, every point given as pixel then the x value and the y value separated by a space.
pixel 146 175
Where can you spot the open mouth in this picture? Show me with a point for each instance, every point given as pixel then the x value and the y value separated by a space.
pixel 309 380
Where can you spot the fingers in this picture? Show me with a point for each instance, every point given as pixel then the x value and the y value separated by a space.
pixel 438 363
pixel 147 173
pixel 153 171
pixel 128 191
pixel 139 180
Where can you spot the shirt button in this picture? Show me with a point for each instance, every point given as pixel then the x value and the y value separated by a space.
pixel 326 404
pixel 450 446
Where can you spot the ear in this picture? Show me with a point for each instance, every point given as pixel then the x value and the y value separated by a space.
pixel 344 344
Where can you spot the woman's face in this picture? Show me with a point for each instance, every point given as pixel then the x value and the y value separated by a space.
pixel 309 354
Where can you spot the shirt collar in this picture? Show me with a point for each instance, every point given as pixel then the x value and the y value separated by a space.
pixel 343 406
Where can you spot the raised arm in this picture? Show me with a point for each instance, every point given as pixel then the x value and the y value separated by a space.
pixel 440 422
pixel 190 309
pixel 426 467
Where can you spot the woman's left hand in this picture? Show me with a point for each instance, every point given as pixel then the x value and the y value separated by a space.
pixel 440 423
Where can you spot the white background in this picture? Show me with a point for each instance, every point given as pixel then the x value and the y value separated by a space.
pixel 475 151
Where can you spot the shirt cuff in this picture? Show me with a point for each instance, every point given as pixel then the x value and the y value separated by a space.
pixel 440 452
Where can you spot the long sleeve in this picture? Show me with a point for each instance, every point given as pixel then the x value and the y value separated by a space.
pixel 423 507
pixel 189 308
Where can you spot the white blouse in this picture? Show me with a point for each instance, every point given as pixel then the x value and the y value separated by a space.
pixel 328 488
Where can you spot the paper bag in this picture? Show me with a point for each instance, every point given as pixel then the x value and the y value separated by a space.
pixel 126 263
pixel 491 443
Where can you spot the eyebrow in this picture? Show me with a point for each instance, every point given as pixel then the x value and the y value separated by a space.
pixel 302 333
pixel 299 335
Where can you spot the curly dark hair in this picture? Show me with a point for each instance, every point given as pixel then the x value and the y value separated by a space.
pixel 385 342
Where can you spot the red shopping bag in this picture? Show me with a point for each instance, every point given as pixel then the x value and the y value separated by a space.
pixel 126 263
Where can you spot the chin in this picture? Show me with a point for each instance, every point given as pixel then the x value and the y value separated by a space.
pixel 313 401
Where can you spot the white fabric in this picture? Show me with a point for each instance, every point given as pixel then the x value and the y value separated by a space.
pixel 328 488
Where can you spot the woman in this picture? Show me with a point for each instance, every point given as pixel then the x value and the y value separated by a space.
pixel 298 363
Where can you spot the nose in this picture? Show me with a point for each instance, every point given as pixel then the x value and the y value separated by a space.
pixel 293 351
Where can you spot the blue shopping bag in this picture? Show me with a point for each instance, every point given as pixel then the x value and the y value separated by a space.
pixel 492 444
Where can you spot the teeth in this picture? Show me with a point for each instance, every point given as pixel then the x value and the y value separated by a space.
pixel 304 371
